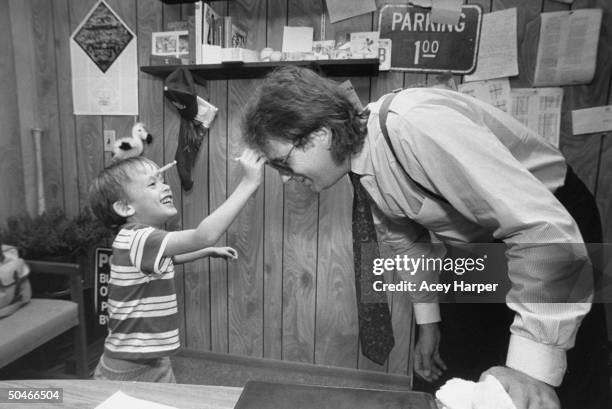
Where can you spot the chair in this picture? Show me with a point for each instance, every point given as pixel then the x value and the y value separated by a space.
pixel 42 319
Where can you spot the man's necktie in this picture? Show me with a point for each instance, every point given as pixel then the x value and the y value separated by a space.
pixel 375 330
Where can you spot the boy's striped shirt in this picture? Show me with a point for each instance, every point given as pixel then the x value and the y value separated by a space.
pixel 142 303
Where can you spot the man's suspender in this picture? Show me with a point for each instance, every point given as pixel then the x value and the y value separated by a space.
pixel 382 117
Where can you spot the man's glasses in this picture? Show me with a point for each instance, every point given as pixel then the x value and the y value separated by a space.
pixel 281 164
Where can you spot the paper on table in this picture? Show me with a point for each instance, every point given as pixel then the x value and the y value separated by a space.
pixel 495 92
pixel 567 50
pixel 120 400
pixel 343 9
pixel 446 11
pixel 497 52
pixel 591 120
pixel 297 39
pixel 540 110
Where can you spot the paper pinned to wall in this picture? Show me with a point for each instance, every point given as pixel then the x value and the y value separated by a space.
pixel 446 11
pixel 494 92
pixel 497 52
pixel 592 120
pixel 540 110
pixel 567 49
pixel 297 39
pixel 343 9
pixel 104 63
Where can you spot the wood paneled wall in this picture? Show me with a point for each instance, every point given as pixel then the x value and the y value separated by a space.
pixel 290 295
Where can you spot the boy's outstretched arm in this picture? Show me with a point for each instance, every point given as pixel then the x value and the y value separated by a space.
pixel 224 252
pixel 212 227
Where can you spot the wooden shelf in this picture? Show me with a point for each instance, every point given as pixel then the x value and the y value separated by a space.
pixel 229 71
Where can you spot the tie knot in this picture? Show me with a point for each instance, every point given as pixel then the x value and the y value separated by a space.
pixel 354 178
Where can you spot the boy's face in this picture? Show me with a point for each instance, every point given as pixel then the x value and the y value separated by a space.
pixel 149 197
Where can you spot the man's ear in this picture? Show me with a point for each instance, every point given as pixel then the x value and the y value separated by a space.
pixel 123 208
pixel 323 135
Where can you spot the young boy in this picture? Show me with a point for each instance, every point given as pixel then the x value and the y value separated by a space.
pixel 131 196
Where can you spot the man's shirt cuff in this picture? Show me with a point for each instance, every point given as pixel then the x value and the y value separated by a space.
pixel 542 362
pixel 426 313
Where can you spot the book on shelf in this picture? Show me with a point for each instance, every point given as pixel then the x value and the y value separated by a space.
pixel 235 36
pixel 192 42
pixel 211 23
pixel 208 29
pixel 198 31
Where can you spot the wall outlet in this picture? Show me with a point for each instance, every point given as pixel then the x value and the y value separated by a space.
pixel 109 140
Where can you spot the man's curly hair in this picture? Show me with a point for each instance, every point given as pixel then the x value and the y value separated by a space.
pixel 293 102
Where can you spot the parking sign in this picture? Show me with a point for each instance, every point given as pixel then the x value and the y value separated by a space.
pixel 419 45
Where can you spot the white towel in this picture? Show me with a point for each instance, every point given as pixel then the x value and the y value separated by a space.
pixel 461 394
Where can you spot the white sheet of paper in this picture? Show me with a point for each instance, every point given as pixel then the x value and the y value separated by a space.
pixel 297 39
pixel 495 92
pixel 591 120
pixel 497 52
pixel 343 9
pixel 567 50
pixel 540 110
pixel 446 11
pixel 120 400
pixel 114 92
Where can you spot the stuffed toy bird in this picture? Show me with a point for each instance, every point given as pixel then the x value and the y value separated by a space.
pixel 132 146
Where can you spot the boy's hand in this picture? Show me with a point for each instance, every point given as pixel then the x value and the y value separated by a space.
pixel 223 252
pixel 252 163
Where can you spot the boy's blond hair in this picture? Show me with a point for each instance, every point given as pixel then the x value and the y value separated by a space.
pixel 109 187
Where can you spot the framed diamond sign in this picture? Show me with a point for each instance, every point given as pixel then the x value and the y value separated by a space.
pixel 103 57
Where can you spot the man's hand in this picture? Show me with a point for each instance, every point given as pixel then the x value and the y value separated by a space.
pixel 526 392
pixel 223 252
pixel 427 361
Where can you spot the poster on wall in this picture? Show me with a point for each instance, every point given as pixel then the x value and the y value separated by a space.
pixel 103 58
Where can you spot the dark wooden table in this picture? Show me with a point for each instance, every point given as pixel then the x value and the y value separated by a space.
pixel 85 394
